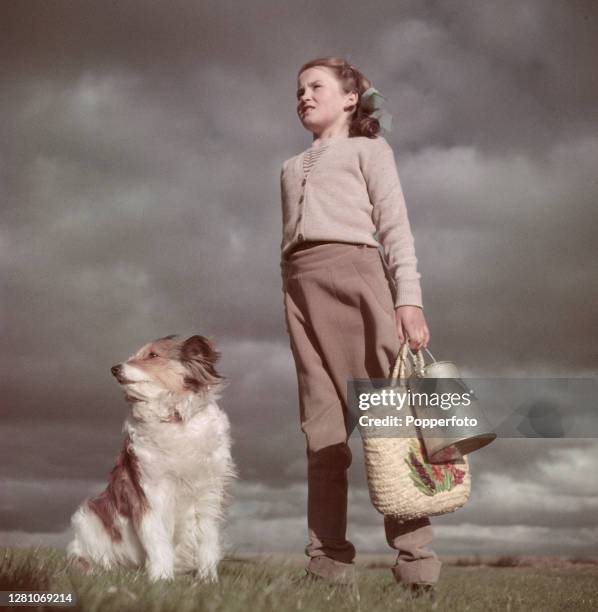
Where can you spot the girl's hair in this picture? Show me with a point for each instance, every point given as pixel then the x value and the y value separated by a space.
pixel 361 123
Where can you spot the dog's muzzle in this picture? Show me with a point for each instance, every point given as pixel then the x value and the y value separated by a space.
pixel 117 373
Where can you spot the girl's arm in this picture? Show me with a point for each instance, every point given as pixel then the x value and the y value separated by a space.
pixel 389 214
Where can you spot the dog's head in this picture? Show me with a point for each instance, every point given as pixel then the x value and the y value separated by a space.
pixel 169 366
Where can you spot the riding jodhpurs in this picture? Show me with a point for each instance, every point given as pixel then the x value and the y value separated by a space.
pixel 340 317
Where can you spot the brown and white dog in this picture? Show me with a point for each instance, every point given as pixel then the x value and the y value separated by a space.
pixel 164 505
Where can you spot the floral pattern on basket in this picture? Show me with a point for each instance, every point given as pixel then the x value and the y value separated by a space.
pixel 431 478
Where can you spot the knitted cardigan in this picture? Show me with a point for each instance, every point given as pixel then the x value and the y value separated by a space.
pixel 349 191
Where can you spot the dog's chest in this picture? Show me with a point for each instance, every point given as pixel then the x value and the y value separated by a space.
pixel 190 454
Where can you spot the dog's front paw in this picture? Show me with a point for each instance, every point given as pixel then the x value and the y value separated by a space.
pixel 80 565
pixel 206 574
pixel 158 572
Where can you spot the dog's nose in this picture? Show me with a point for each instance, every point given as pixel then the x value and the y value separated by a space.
pixel 115 370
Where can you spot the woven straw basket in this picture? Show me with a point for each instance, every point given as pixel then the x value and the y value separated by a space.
pixel 401 481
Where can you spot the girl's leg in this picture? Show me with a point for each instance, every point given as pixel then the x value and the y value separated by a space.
pixel 415 563
pixel 329 457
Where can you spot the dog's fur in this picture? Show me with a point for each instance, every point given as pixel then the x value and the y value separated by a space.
pixel 164 505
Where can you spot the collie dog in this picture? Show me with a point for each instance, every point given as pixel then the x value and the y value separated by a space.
pixel 164 505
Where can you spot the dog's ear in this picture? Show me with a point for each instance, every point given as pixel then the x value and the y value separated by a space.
pixel 199 348
pixel 200 355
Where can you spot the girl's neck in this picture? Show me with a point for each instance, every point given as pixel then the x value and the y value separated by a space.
pixel 330 133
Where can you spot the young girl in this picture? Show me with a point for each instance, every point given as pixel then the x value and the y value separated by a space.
pixel 347 311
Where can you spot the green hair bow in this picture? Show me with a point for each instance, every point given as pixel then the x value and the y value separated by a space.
pixel 371 103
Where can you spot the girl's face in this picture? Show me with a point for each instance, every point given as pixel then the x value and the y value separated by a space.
pixel 321 100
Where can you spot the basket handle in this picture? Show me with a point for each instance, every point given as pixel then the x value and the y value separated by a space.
pixel 398 372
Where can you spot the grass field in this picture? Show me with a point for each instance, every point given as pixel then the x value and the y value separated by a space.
pixel 263 584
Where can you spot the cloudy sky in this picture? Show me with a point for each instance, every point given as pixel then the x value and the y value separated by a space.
pixel 141 145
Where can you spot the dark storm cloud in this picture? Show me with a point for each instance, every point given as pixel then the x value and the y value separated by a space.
pixel 141 151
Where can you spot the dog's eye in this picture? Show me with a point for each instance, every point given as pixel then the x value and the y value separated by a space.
pixel 152 355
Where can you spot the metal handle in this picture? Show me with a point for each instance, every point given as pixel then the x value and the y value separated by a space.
pixel 427 351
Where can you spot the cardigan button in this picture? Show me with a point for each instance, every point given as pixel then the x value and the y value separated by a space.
pixel 300 237
pixel 300 199
pixel 303 182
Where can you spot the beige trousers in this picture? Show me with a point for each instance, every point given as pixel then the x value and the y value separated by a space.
pixel 340 318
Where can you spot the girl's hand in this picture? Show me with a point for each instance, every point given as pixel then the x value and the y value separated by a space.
pixel 412 323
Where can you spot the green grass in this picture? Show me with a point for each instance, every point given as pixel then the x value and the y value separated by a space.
pixel 269 584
